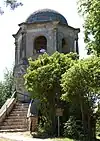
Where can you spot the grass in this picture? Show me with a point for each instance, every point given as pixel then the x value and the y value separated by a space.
pixel 62 139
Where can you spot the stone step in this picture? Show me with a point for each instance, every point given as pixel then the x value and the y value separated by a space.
pixel 14 122
pixel 21 105
pixel 14 130
pixel 17 117
pixel 13 127
pixel 24 103
pixel 17 120
pixel 20 109
pixel 25 112
pixel 18 114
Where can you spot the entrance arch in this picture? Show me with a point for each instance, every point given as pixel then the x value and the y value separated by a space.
pixel 40 44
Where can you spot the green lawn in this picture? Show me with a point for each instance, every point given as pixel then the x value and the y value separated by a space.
pixel 62 139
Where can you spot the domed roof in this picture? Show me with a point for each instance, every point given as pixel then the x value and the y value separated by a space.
pixel 46 15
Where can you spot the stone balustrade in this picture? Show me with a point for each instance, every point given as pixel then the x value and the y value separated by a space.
pixel 6 108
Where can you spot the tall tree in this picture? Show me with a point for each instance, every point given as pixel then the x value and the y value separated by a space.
pixel 12 3
pixel 43 81
pixel 6 87
pixel 82 82
pixel 90 10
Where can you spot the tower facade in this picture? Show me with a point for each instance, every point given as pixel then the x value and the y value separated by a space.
pixel 43 31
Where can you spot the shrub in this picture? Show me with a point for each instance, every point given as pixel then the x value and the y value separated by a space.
pixel 73 128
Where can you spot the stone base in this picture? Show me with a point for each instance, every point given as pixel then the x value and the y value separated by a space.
pixel 33 123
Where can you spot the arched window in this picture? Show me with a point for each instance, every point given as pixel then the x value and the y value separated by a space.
pixel 21 49
pixel 64 46
pixel 63 42
pixel 40 44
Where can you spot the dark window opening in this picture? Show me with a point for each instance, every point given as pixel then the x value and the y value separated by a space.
pixel 21 49
pixel 63 45
pixel 22 46
pixel 63 42
pixel 40 44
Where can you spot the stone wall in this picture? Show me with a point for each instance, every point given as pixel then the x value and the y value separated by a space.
pixel 46 30
pixel 22 93
pixel 69 34
pixel 54 32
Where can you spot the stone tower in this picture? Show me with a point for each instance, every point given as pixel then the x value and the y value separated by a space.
pixel 43 31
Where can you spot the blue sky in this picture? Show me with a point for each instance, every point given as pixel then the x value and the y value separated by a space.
pixel 10 19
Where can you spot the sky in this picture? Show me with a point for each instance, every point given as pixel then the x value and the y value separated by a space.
pixel 10 19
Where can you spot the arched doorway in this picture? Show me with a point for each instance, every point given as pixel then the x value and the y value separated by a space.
pixel 40 44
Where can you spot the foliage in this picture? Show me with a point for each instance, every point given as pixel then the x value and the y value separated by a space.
pixel 43 81
pixel 82 82
pixel 1 97
pixel 6 87
pixel 46 73
pixel 98 121
pixel 82 79
pixel 98 127
pixel 73 128
pixel 90 9
pixel 61 139
pixel 12 4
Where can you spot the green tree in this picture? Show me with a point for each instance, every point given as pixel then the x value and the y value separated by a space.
pixel 43 81
pixel 6 87
pixel 1 96
pixel 82 83
pixel 12 4
pixel 90 10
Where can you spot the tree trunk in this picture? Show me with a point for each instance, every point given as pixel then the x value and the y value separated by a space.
pixel 83 118
pixel 89 126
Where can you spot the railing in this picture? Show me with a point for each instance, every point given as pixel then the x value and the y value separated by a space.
pixel 7 103
pixel 13 95
pixel 7 107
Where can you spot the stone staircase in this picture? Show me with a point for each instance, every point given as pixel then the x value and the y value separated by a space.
pixel 17 119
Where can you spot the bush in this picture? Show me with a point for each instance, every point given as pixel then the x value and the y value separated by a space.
pixel 45 128
pixel 73 128
pixel 98 127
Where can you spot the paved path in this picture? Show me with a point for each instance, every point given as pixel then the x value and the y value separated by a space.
pixel 20 136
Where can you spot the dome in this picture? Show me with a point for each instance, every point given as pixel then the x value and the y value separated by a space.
pixel 46 15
